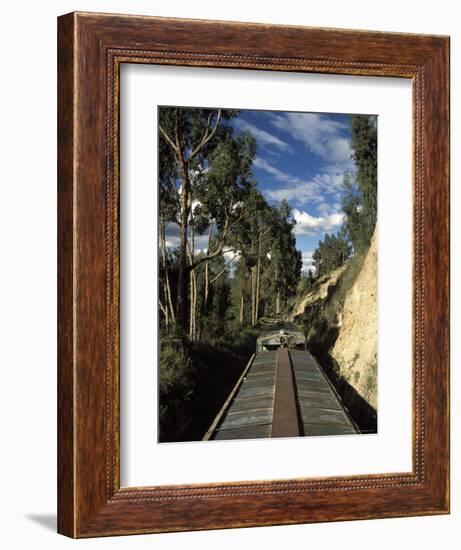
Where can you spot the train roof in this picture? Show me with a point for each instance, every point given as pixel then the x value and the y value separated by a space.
pixel 255 407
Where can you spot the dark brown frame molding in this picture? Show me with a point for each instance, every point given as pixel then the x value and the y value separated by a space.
pixel 91 49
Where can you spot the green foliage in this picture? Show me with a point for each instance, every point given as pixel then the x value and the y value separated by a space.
pixel 214 192
pixel 360 188
pixel 176 374
pixel 241 339
pixel 224 184
pixel 192 136
pixel 359 201
pixel 306 283
pixel 364 145
pixel 269 268
pixel 215 316
pixel 168 173
pixel 284 254
pixel 189 125
pixel 331 253
pixel 189 404
pixel 175 367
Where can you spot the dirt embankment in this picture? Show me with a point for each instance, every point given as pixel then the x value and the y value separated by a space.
pixel 339 317
pixel 356 346
pixel 320 293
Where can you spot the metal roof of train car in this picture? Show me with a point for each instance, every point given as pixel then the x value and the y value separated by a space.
pixel 250 409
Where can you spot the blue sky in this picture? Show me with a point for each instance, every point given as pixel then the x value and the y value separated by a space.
pixel 302 157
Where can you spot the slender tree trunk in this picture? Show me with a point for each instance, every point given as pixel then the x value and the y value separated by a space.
pixel 253 284
pixel 193 304
pixel 183 164
pixel 258 277
pixel 253 295
pixel 277 296
pixel 205 297
pixel 167 290
pixel 241 308
pixel 193 287
pixel 191 307
pixel 183 271
pixel 207 277
pixel 166 310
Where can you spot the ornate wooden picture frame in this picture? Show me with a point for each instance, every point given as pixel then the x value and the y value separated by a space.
pixel 92 48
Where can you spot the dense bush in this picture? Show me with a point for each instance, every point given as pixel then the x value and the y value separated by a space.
pixel 175 367
pixel 175 374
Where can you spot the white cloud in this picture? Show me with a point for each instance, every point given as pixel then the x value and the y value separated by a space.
pixel 325 208
pixel 200 246
pixel 319 133
pixel 262 136
pixel 278 174
pixel 231 255
pixel 302 190
pixel 307 262
pixel 200 242
pixel 306 224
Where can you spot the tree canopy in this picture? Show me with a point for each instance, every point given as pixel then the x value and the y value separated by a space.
pixel 359 202
pixel 250 265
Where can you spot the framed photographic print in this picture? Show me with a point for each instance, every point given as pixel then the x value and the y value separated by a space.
pixel 253 275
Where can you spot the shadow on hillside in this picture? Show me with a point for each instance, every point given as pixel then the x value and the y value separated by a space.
pixel 364 415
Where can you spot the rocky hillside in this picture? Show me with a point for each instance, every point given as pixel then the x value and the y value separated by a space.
pixel 339 317
pixel 320 292
pixel 356 346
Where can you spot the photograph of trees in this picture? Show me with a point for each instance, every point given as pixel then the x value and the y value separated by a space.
pixel 266 222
